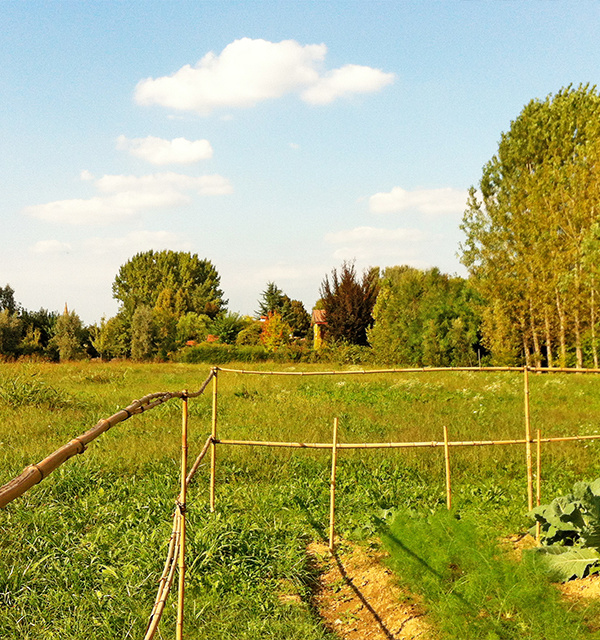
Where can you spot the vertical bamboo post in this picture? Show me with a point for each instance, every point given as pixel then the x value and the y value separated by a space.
pixel 447 459
pixel 181 506
pixel 213 446
pixel 538 492
pixel 528 440
pixel 332 487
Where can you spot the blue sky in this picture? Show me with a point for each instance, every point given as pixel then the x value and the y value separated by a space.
pixel 276 139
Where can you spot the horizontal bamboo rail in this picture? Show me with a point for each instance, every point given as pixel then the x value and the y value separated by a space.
pixel 371 371
pixel 398 445
pixel 35 473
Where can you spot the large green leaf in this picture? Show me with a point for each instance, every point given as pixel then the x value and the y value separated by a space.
pixel 568 562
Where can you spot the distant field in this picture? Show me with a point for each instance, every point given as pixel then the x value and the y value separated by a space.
pixel 83 550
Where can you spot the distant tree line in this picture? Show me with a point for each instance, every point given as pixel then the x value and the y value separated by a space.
pixel 531 246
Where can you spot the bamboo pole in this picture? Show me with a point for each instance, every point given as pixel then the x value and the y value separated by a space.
pixel 213 444
pixel 35 473
pixel 332 486
pixel 166 580
pixel 447 460
pixel 367 371
pixel 528 440
pixel 196 465
pixel 538 491
pixel 398 445
pixel 182 506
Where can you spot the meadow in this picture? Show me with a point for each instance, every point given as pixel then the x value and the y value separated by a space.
pixel 81 553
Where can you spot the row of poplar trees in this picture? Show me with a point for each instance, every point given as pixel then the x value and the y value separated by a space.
pixel 532 235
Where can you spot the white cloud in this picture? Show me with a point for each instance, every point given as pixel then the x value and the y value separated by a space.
pixel 249 71
pixel 124 197
pixel 428 201
pixel 136 242
pixel 374 245
pixel 345 81
pixel 158 151
pixel 86 175
pixel 50 246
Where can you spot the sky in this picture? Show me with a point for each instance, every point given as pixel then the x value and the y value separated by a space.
pixel 275 139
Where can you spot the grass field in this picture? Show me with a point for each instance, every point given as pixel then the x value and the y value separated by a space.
pixel 83 550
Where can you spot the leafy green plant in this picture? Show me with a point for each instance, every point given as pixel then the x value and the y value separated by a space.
pixel 570 532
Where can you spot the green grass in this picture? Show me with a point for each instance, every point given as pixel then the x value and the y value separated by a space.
pixel 83 550
pixel 472 590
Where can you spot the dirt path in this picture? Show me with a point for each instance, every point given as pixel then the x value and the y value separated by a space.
pixel 359 600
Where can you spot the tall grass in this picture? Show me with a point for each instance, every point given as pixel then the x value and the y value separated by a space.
pixel 472 590
pixel 82 551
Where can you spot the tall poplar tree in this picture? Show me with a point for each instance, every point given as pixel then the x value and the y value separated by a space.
pixel 528 236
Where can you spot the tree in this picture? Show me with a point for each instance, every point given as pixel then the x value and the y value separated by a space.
pixel 271 300
pixel 112 338
pixel 525 240
pixel 348 303
pixel 173 280
pixel 7 299
pixel 10 333
pixel 228 325
pixel 143 334
pixel 275 332
pixel 192 326
pixel 69 336
pixel 425 318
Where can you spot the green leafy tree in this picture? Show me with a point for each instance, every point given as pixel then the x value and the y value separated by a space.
pixel 7 299
pixel 174 280
pixel 112 339
pixel 69 336
pixel 294 313
pixel 348 303
pixel 228 325
pixel 143 334
pixel 192 326
pixel 526 238
pixel 250 336
pixel 10 333
pixel 425 318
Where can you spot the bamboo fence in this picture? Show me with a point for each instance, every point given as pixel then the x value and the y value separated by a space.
pixel 175 559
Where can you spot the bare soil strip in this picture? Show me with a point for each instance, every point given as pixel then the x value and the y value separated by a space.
pixel 358 599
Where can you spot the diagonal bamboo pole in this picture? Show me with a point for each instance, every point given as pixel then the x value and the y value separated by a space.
pixel 182 506
pixel 213 444
pixel 166 580
pixel 334 448
pixel 35 473
pixel 447 460
pixel 528 440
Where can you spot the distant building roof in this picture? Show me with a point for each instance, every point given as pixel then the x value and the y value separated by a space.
pixel 318 316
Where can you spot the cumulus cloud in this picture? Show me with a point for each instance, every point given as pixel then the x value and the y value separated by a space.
pixel 375 244
pixel 345 81
pixel 50 246
pixel 124 197
pixel 250 71
pixel 136 242
pixel 428 201
pixel 158 151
